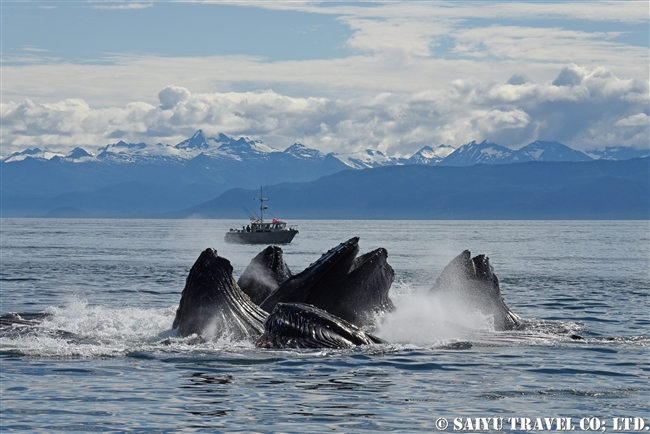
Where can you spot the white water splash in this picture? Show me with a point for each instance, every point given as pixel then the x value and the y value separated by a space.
pixel 81 330
pixel 421 318
pixel 124 324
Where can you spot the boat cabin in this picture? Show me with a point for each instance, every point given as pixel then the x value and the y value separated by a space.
pixel 268 226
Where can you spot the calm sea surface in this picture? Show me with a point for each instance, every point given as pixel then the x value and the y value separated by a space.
pixel 116 284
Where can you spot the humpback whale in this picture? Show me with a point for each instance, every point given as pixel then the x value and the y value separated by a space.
pixel 346 292
pixel 299 325
pixel 362 293
pixel 331 304
pixel 321 275
pixel 350 287
pixel 266 272
pixel 213 306
pixel 471 282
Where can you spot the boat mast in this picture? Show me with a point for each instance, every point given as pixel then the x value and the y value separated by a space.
pixel 262 207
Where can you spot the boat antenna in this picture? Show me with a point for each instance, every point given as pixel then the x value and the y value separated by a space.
pixel 262 207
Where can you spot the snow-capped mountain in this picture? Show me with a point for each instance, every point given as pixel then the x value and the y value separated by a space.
pixel 79 155
pixel 122 152
pixel 475 153
pixel 366 159
pixel 429 155
pixel 138 179
pixel 141 179
pixel 617 153
pixel 548 151
pixel 491 153
pixel 223 147
pixel 299 150
pixel 220 147
pixel 41 154
pixel 198 141
pixel 241 148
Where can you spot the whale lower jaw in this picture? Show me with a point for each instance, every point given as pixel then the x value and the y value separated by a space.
pixel 300 325
pixel 212 306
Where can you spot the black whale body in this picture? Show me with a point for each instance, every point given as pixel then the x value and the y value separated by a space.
pixel 339 291
pixel 299 325
pixel 266 272
pixel 213 306
pixel 471 283
pixel 350 287
pixel 321 275
pixel 362 294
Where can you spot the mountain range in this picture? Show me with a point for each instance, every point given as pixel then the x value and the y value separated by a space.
pixel 238 149
pixel 142 180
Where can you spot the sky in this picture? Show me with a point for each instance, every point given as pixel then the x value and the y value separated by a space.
pixel 335 76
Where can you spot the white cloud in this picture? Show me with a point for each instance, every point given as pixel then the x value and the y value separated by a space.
pixel 544 44
pixel 123 6
pixel 499 120
pixel 398 47
pixel 589 113
pixel 417 74
pixel 400 37
pixel 637 120
pixel 625 12
pixel 571 75
pixel 171 95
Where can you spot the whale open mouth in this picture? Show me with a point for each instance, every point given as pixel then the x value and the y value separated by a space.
pixel 325 272
pixel 213 305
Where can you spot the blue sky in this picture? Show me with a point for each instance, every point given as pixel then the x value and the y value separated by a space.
pixel 336 76
pixel 78 32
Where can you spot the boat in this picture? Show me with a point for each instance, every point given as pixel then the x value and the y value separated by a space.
pixel 261 231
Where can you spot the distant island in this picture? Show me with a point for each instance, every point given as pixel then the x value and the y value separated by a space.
pixel 592 190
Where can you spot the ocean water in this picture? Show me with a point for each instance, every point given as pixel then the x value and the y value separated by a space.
pixel 113 286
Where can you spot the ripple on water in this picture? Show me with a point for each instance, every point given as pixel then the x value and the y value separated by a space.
pixel 122 369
